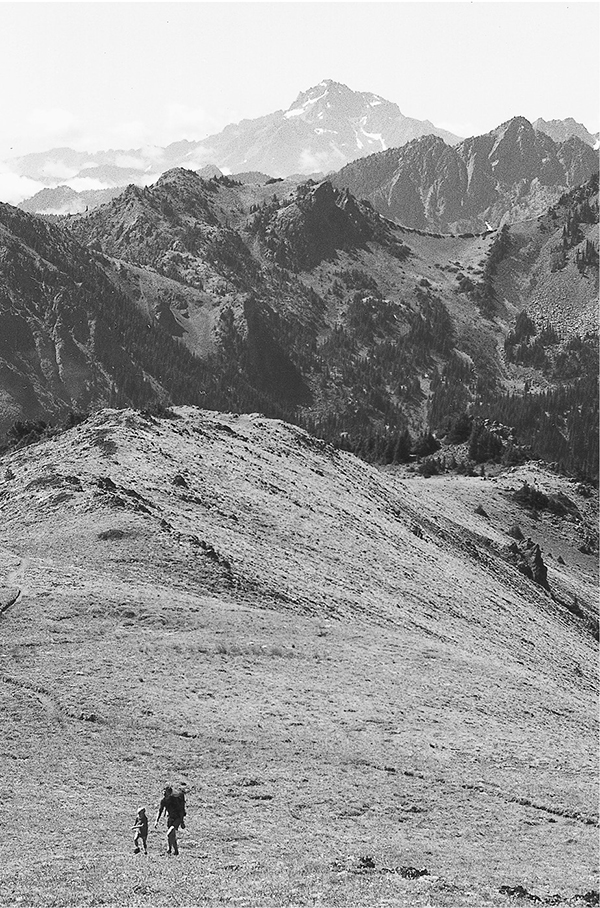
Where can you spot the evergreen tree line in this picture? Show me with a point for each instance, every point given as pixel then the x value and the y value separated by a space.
pixel 558 426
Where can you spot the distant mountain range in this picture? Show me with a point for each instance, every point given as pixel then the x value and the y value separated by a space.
pixel 561 130
pixel 61 200
pixel 323 129
pixel 511 173
pixel 435 181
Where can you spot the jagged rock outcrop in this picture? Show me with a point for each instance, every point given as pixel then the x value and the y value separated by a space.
pixel 527 558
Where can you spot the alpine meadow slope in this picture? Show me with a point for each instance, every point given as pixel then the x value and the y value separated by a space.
pixel 364 698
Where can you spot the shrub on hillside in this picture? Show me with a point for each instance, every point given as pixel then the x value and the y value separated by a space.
pixel 425 445
pixel 515 454
pixel 158 410
pixel 26 432
pixel 429 467
pixel 75 418
pixel 460 429
pixel 559 503
pixel 515 532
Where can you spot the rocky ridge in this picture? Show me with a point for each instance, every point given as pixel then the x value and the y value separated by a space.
pixel 511 173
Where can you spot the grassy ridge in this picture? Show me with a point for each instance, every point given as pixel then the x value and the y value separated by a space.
pixel 227 603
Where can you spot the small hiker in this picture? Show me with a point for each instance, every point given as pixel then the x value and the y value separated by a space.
pixel 174 806
pixel 140 833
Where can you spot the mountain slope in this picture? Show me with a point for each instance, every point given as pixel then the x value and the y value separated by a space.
pixel 330 279
pixel 509 174
pixel 227 603
pixel 323 129
pixel 70 337
pixel 297 301
pixel 552 266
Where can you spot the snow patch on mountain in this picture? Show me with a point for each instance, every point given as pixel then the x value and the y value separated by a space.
pixel 298 111
pixel 375 137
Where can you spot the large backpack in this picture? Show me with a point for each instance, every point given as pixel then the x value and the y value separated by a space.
pixel 176 804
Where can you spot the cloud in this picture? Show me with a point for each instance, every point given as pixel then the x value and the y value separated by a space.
pixel 42 128
pixel 199 157
pixel 153 153
pixel 148 179
pixel 14 188
pixel 79 184
pixel 58 170
pixel 320 161
pixel 45 128
pixel 124 135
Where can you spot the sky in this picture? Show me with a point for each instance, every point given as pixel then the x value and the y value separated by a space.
pixel 123 75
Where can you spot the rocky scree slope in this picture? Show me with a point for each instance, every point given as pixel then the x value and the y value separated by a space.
pixel 552 267
pixel 335 661
pixel 511 173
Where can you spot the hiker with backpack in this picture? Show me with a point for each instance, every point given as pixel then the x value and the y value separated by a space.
pixel 173 804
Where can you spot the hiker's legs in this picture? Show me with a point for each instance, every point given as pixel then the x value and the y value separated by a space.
pixel 172 839
pixel 144 841
pixel 136 847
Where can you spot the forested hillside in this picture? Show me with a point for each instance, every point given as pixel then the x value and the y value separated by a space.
pixel 305 304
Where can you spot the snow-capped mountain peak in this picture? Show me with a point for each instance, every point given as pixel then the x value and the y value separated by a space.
pixel 326 126
pixel 334 100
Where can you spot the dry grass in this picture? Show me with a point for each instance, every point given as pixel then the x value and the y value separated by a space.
pixel 326 684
